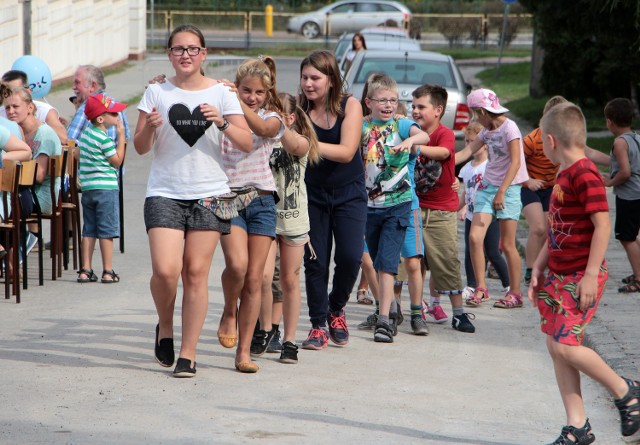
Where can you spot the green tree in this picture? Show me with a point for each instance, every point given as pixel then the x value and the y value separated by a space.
pixel 591 47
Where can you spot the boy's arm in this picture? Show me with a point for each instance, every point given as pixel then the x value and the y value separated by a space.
pixel 587 288
pixel 117 159
pixel 537 274
pixel 621 153
pixel 435 153
pixel 597 157
pixel 514 155
pixel 412 143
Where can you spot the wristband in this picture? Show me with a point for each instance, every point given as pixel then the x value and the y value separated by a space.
pixel 224 126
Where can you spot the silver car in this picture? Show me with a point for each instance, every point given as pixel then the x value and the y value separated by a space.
pixel 348 16
pixel 410 70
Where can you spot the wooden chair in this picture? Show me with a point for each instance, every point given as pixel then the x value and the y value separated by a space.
pixel 10 227
pixel 27 179
pixel 121 198
pixel 71 210
pixel 56 168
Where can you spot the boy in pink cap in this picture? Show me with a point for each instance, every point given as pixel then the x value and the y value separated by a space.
pixel 498 194
pixel 100 157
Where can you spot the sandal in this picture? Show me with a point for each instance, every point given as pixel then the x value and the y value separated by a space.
pixel 511 300
pixel 629 410
pixel 90 277
pixel 582 436
pixel 110 273
pixel 474 300
pixel 364 297
pixel 631 286
pixel 628 279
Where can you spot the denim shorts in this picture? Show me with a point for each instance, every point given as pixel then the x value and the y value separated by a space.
pixel 181 214
pixel 101 214
pixel 385 232
pixel 259 217
pixel 512 201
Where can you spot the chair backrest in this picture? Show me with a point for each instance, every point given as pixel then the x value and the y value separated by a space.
pixel 28 173
pixel 8 175
pixel 57 166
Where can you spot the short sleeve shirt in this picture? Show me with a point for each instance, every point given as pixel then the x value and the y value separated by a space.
pixel 441 196
pixel 471 176
pixel 538 165
pixel 46 142
pixel 578 193
pixel 499 158
pixel 95 171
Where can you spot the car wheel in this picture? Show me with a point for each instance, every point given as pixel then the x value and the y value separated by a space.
pixel 310 30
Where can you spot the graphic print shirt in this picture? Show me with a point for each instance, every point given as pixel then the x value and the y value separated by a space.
pixel 187 162
pixel 471 176
pixel 579 191
pixel 387 173
pixel 288 172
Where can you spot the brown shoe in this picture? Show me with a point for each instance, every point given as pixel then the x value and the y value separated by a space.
pixel 247 367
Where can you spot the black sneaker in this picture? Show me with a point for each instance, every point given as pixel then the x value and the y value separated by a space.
pixel 275 345
pixel 184 369
pixel 461 323
pixel 338 330
pixel 289 353
pixel 383 333
pixel 164 352
pixel 393 324
pixel 260 341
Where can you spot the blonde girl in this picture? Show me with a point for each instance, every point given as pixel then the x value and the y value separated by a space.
pixel 253 230
pixel 498 194
pixel 299 146
pixel 186 167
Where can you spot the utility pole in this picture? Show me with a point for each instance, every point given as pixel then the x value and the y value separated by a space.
pixel 26 26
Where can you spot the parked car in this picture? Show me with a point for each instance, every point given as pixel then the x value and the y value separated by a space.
pixel 410 70
pixel 348 16
pixel 376 37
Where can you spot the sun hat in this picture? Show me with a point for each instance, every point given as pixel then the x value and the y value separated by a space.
pixel 487 99
pixel 99 104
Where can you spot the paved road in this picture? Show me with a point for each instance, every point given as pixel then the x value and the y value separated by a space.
pixel 78 367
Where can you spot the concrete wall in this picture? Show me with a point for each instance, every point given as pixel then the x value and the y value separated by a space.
pixel 68 33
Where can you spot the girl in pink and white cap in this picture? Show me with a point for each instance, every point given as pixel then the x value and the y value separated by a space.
pixel 499 193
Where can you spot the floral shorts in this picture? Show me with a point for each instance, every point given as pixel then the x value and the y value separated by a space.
pixel 559 306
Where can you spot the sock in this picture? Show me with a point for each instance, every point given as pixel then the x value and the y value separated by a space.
pixel 434 301
pixel 458 310
pixel 384 319
pixel 416 312
pixel 275 327
pixel 527 273
pixel 377 307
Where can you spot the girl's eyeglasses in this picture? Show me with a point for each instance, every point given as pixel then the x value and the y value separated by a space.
pixel 191 50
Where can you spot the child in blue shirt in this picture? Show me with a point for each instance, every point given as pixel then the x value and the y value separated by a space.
pixel 389 146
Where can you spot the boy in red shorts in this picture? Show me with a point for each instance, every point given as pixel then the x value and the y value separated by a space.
pixel 579 230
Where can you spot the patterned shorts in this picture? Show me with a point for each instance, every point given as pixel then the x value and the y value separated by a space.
pixel 559 306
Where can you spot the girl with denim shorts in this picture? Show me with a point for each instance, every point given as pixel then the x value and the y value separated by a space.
pixel 498 194
pixel 252 231
pixel 175 124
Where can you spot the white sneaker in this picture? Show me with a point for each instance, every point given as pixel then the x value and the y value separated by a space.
pixel 467 292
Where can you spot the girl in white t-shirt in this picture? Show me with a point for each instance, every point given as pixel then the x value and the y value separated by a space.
pixel 181 122
pixel 252 231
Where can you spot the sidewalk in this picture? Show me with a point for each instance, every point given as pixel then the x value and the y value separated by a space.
pixel 78 364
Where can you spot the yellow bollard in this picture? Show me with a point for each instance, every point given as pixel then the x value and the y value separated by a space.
pixel 268 20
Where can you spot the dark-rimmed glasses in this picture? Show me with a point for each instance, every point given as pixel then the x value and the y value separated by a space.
pixel 385 101
pixel 191 50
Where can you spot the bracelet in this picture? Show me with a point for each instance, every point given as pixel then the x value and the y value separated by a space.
pixel 224 126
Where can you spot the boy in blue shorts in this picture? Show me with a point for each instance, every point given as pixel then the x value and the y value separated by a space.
pixel 99 159
pixel 579 230
pixel 389 145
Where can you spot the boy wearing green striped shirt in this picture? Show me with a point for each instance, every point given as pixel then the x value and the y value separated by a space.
pixel 100 158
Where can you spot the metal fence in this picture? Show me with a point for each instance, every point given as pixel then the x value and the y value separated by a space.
pixel 249 26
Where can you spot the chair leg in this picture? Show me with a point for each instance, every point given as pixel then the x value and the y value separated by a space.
pixel 61 228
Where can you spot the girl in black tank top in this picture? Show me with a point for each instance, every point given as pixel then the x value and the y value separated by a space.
pixel 337 198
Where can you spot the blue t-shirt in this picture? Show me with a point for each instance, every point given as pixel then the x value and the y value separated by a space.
pixel 13 128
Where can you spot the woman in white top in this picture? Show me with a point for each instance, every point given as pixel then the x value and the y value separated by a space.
pixel 182 120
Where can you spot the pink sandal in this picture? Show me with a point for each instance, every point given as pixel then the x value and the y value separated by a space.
pixel 476 301
pixel 511 300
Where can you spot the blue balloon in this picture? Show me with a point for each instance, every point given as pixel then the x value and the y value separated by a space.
pixel 38 74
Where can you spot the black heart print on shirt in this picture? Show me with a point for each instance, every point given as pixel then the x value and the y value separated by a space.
pixel 190 125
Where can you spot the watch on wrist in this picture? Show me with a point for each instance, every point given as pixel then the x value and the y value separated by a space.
pixel 224 126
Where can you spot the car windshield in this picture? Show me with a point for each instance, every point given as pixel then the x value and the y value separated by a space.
pixel 414 71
